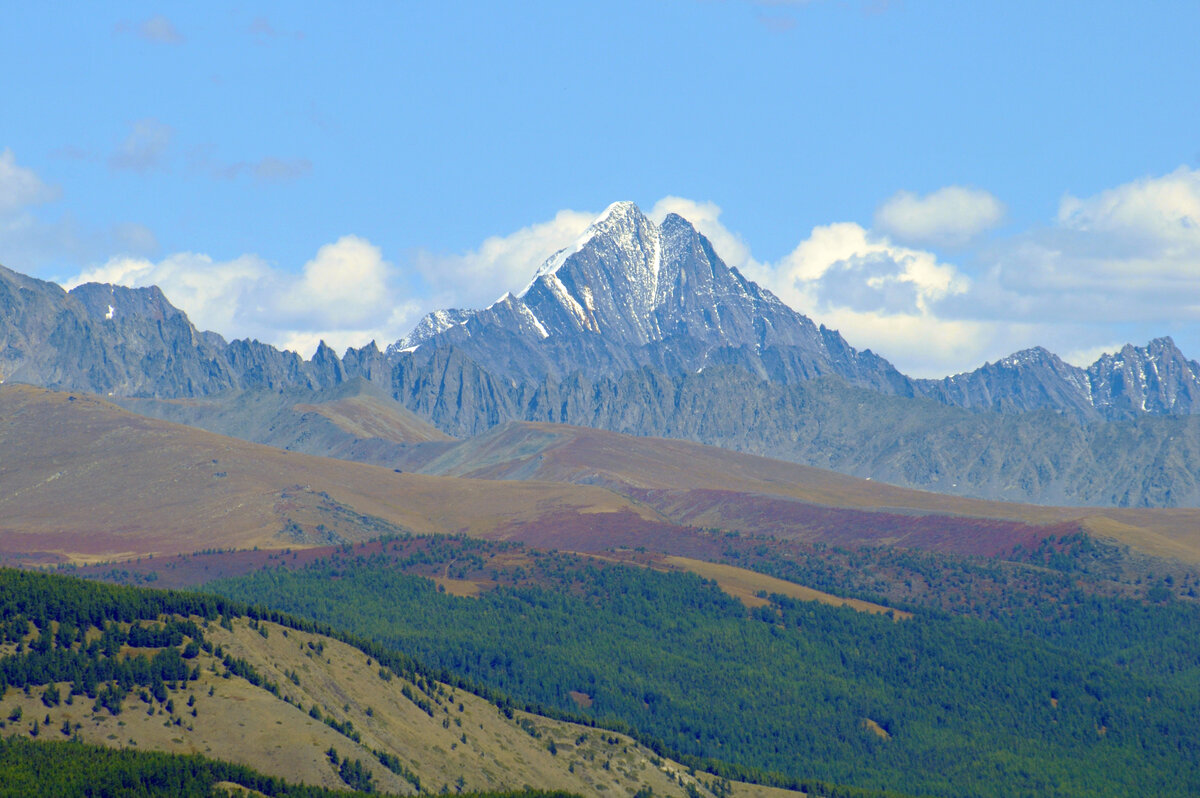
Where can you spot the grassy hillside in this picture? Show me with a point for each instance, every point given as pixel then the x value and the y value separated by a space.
pixel 139 486
pixel 354 421
pixel 101 665
pixel 1084 694
pixel 706 486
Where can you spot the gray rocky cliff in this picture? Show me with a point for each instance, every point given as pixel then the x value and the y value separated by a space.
pixel 111 340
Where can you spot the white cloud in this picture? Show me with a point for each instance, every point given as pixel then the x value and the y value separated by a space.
pixel 950 216
pixel 842 261
pixel 20 187
pixel 345 285
pixel 1160 215
pixel 32 236
pixel 347 295
pixel 507 263
pixel 878 295
pixel 502 263
pixel 1127 254
pixel 216 295
pixel 922 344
pixel 1086 356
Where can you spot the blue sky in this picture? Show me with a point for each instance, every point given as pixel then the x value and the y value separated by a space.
pixel 943 182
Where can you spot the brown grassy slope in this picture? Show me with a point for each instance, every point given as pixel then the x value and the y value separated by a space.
pixel 246 724
pixel 81 479
pixel 366 416
pixel 745 585
pixel 711 487
pixel 355 421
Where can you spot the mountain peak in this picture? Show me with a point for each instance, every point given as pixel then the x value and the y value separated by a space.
pixel 619 211
pixel 621 220
pixel 1163 344
pixel 1027 357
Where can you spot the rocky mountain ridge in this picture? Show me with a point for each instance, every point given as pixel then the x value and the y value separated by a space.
pixel 1156 379
pixel 112 340
pixel 640 328
pixel 630 294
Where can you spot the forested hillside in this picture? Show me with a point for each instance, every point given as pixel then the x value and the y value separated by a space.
pixel 187 674
pixel 1096 696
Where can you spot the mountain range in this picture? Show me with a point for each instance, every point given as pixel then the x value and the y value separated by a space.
pixel 640 328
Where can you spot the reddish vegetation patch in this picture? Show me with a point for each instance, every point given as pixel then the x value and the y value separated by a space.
pixel 187 570
pixel 582 700
pixel 790 519
pixel 597 532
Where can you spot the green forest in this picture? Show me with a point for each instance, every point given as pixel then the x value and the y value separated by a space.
pixel 58 629
pixel 1078 693
pixel 1096 697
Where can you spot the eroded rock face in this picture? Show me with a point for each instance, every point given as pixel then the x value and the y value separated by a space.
pixel 1156 379
pixel 112 340
pixel 631 294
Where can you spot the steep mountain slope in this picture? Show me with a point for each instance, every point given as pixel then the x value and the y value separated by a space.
pixel 640 328
pixel 1152 380
pixel 1155 379
pixel 1040 457
pixel 1010 701
pixel 108 339
pixel 630 293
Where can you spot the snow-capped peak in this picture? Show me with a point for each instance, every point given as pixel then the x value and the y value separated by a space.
pixel 436 322
pixel 617 215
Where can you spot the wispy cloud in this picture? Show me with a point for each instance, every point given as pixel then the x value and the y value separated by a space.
pixel 261 28
pixel 779 23
pixel 1127 255
pixel 268 169
pixel 157 29
pixel 34 233
pixel 145 149
pixel 20 187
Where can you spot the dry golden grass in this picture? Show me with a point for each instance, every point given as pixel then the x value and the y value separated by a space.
pixel 1161 533
pixel 458 587
pixel 370 417
pixel 467 738
pixel 84 480
pixel 876 729
pixel 88 481
pixel 745 586
pixel 743 790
